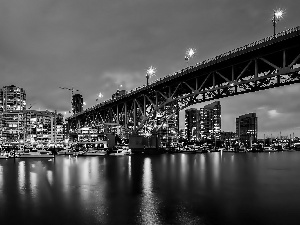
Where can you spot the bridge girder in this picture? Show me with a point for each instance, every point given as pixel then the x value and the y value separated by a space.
pixel 265 64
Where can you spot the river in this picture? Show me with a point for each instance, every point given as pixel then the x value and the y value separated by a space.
pixel 209 189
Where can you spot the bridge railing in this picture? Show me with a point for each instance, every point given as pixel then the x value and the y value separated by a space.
pixel 222 56
pixel 199 65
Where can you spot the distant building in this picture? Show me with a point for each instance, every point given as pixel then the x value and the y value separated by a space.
pixel 169 127
pixel 212 120
pixel 193 124
pixel 12 106
pixel 228 135
pixel 12 99
pixel 43 126
pixel 246 128
pixel 77 103
pixel 204 123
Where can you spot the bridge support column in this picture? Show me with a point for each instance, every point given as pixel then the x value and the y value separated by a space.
pixel 134 115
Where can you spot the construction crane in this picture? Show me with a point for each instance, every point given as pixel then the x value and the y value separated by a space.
pixel 72 92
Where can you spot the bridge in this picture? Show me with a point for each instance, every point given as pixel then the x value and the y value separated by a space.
pixel 267 63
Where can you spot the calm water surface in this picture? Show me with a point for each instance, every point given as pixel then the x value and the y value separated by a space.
pixel 212 188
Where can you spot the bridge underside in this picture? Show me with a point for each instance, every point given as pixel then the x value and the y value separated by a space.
pixel 272 64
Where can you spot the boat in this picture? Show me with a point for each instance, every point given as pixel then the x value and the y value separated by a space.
pixel 97 148
pixel 117 152
pixel 126 150
pixel 34 153
pixel 269 149
pixel 65 152
pixel 95 153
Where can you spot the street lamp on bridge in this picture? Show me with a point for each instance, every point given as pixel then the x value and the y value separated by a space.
pixel 99 96
pixel 150 73
pixel 189 54
pixel 277 16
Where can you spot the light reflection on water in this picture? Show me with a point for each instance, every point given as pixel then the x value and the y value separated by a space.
pixel 216 168
pixel 1 179
pixel 149 210
pixel 129 167
pixel 213 188
pixel 21 176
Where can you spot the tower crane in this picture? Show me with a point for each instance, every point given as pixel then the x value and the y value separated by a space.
pixel 72 89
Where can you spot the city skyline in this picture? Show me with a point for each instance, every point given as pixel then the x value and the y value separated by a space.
pixel 49 44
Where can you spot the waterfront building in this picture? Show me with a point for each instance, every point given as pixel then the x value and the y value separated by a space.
pixel 212 121
pixel 203 124
pixel 77 103
pixel 169 127
pixel 246 128
pixel 193 124
pixel 43 126
pixel 12 99
pixel 228 135
pixel 12 106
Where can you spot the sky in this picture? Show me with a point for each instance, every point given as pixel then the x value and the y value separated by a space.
pixel 97 45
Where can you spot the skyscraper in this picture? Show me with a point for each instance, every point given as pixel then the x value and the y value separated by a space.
pixel 77 103
pixel 169 130
pixel 212 120
pixel 204 123
pixel 12 106
pixel 246 128
pixel 12 98
pixel 192 124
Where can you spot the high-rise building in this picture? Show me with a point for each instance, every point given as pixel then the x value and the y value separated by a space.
pixel 204 123
pixel 12 106
pixel 212 120
pixel 169 126
pixel 12 99
pixel 192 124
pixel 77 103
pixel 246 128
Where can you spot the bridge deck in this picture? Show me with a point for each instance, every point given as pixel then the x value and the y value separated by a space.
pixel 239 54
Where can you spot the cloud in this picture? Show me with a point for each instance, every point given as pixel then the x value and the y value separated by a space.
pixel 273 113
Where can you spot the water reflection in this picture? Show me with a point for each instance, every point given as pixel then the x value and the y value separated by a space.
pixel 129 167
pixel 50 177
pixel 33 184
pixel 164 189
pixel 1 179
pixel 202 169
pixel 66 162
pixel 149 210
pixel 216 168
pixel 21 176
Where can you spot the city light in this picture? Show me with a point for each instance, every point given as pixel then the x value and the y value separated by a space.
pixel 84 103
pixel 278 13
pixel 189 54
pixel 99 96
pixel 151 71
pixel 277 16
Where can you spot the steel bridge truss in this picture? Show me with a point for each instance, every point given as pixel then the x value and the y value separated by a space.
pixel 151 110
